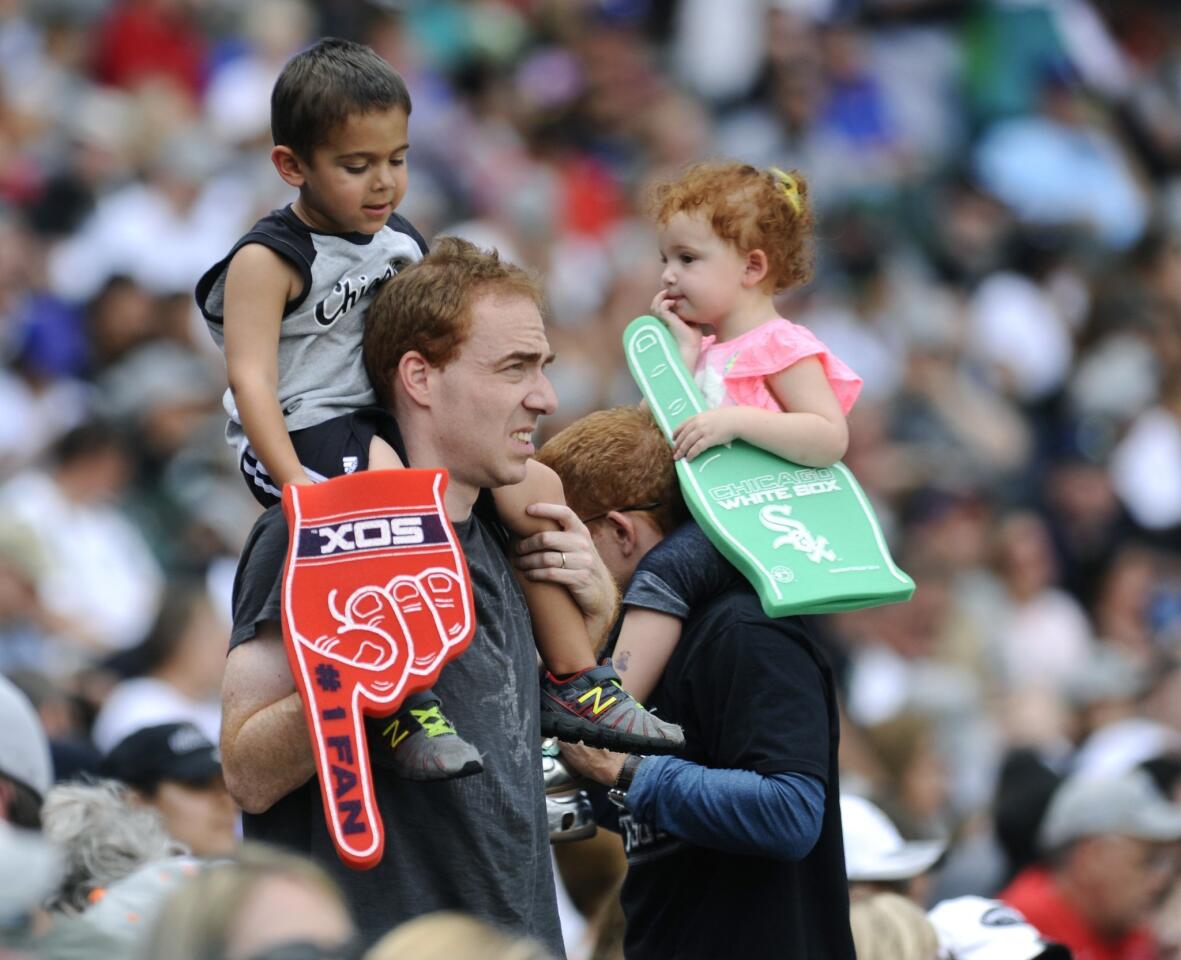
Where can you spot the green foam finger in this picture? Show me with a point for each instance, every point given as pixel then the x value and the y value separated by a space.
pixel 807 539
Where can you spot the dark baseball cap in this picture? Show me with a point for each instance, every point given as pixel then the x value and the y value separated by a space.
pixel 168 751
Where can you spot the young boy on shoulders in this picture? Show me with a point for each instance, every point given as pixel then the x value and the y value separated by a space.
pixel 287 306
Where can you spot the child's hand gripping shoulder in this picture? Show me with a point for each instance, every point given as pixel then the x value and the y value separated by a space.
pixel 687 335
pixel 810 430
pixel 259 283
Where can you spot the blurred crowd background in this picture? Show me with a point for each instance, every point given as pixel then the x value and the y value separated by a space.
pixel 998 191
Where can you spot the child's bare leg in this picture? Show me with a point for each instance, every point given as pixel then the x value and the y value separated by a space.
pixel 646 641
pixel 579 700
pixel 558 626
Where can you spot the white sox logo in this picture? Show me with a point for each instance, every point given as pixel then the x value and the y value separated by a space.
pixel 373 533
pixel 795 534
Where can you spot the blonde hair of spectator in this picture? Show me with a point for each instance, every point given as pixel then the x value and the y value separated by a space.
pixel 196 922
pixel 104 835
pixel 887 926
pixel 446 936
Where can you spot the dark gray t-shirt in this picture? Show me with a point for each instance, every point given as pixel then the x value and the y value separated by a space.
pixel 479 844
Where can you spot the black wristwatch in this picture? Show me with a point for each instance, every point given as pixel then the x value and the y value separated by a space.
pixel 618 792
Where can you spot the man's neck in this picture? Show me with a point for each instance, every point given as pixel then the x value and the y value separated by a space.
pixel 459 500
pixel 460 497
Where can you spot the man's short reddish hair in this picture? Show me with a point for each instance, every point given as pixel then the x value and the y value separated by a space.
pixel 427 307
pixel 613 459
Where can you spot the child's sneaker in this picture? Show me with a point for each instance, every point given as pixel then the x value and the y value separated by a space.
pixel 571 817
pixel 419 743
pixel 593 707
pixel 557 776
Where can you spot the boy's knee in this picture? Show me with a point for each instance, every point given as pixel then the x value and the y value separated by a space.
pixel 542 484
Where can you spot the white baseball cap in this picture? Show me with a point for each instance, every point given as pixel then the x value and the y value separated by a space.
pixel 974 928
pixel 874 849
pixel 1129 804
pixel 1121 746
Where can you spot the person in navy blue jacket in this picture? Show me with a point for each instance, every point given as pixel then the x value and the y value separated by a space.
pixel 734 849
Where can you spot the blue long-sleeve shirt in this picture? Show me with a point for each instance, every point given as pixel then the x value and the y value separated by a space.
pixel 736 811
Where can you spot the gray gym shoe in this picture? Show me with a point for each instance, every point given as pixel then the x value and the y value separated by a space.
pixel 571 817
pixel 593 707
pixel 558 777
pixel 419 743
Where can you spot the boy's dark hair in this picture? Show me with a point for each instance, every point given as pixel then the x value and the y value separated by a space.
pixel 320 88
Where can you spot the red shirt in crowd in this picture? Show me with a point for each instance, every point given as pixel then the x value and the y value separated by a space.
pixel 146 39
pixel 1038 897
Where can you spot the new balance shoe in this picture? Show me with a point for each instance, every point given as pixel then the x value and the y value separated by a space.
pixel 592 707
pixel 571 817
pixel 419 743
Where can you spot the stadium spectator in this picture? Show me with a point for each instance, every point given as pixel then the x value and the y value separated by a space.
pixel 263 903
pixel 174 769
pixel 1111 855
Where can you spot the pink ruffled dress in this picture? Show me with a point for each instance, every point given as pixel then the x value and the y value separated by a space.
pixel 734 372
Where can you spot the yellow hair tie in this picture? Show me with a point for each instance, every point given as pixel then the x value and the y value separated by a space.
pixel 790 188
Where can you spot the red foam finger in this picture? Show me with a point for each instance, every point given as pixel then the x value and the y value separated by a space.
pixel 446 593
pixel 335 715
pixel 376 599
pixel 418 618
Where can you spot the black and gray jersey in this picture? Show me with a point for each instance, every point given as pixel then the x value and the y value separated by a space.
pixel 321 373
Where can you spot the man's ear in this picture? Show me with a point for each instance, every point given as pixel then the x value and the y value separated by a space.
pixel 622 530
pixel 756 269
pixel 414 374
pixel 289 166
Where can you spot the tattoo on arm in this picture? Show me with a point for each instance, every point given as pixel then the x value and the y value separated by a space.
pixel 621 660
